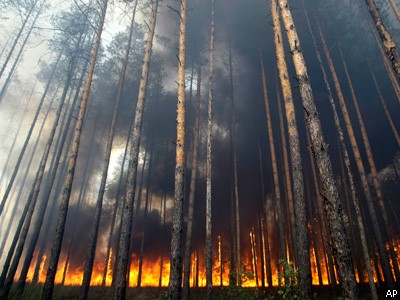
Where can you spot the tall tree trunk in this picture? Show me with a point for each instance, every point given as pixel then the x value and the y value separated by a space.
pixel 88 269
pixel 360 166
pixel 116 206
pixel 17 59
pixel 189 230
pixel 209 161
pixel 288 180
pixel 264 221
pixel 302 245
pixel 175 283
pixel 343 148
pixel 34 193
pixel 326 242
pixel 49 184
pixel 374 172
pixel 17 37
pixel 17 232
pixel 275 174
pixel 60 227
pixel 121 264
pixel 332 202
pixel 234 163
pixel 387 40
pixel 261 249
pixel 25 145
pixel 385 108
pixel 395 9
pixel 146 208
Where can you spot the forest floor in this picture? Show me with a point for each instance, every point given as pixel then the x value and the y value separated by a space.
pixel 32 292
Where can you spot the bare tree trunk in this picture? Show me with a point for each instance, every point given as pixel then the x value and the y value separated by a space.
pixel 175 281
pixel 302 245
pixel 275 174
pixel 288 180
pixel 209 161
pixel 374 172
pixel 360 166
pixel 387 40
pixel 21 155
pixel 254 254
pixel 46 194
pixel 390 120
pixel 88 269
pixel 17 232
pixel 146 208
pixel 34 193
pixel 117 204
pixel 332 202
pixel 121 264
pixel 346 159
pixel 60 227
pixel 326 246
pixel 395 9
pixel 264 221
pixel 261 249
pixel 189 230
pixel 10 53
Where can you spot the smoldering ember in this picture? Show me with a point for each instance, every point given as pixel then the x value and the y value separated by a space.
pixel 199 149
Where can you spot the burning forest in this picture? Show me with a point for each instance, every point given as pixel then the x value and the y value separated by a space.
pixel 199 149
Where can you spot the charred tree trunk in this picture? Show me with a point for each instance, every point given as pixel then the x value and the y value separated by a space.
pixel 343 148
pixel 175 283
pixel 360 166
pixel 387 40
pixel 209 161
pixel 121 264
pixel 278 201
pixel 189 230
pixel 332 202
pixel 374 171
pixel 303 254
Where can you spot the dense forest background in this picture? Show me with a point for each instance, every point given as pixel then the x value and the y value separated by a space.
pixel 45 52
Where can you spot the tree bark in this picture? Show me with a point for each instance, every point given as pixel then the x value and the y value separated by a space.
pixel 175 282
pixel 121 264
pixel 387 40
pixel 302 244
pixel 209 161
pixel 360 166
pixel 332 202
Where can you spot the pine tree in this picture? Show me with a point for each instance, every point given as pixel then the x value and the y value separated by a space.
pixel 332 202
pixel 121 263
